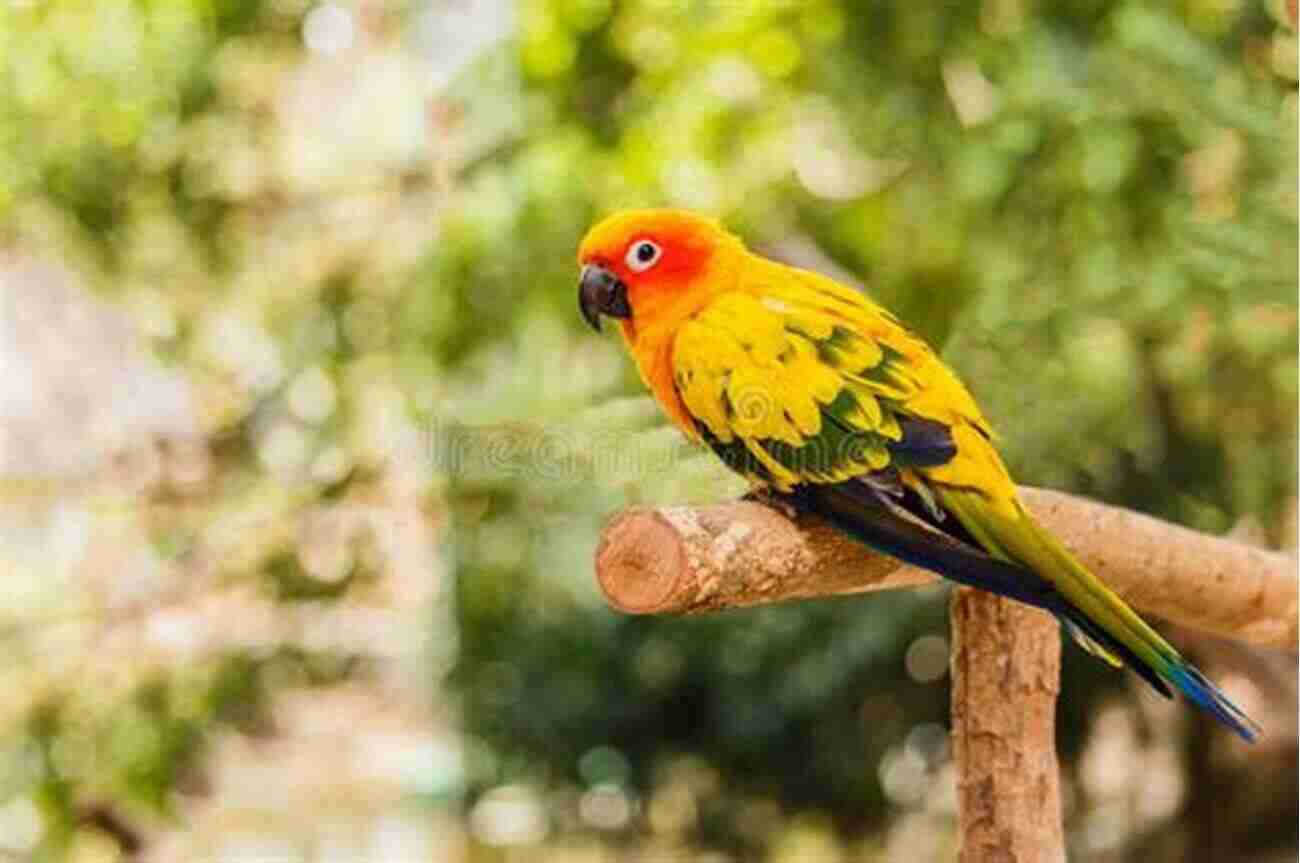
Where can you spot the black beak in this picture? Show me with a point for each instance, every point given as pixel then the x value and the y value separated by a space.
pixel 600 292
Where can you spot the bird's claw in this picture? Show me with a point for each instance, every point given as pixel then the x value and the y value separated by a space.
pixel 782 503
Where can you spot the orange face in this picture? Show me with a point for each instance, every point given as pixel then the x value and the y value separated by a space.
pixel 639 261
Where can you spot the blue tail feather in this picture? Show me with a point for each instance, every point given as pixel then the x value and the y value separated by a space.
pixel 1200 691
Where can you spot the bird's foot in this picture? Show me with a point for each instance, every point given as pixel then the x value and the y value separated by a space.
pixel 782 503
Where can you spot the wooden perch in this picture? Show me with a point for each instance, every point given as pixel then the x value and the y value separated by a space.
pixel 1006 664
pixel 686 559
pixel 1005 656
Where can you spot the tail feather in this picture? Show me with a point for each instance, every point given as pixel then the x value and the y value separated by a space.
pixel 1194 685
pixel 852 508
pixel 1092 609
pixel 1090 644
pixel 1090 636
pixel 1021 560
pixel 1202 692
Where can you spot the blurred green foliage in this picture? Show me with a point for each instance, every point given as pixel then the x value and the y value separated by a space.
pixel 1091 207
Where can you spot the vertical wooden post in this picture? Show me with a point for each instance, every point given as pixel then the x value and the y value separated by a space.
pixel 1006 663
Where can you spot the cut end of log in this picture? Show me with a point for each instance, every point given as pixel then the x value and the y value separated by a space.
pixel 639 561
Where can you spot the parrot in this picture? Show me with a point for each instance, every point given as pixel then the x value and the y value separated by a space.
pixel 825 400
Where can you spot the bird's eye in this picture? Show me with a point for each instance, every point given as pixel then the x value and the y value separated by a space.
pixel 642 255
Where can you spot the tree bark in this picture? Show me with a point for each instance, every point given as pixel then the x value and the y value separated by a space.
pixel 1006 662
pixel 686 559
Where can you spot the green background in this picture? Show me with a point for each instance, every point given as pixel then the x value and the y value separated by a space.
pixel 361 262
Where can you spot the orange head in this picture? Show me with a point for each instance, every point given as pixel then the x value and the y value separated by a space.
pixel 642 265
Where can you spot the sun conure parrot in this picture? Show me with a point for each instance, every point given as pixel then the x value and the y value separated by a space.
pixel 808 388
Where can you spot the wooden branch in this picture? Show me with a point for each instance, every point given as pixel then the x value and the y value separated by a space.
pixel 684 559
pixel 1006 663
pixel 1005 656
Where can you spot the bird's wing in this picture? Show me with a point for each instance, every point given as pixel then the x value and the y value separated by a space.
pixel 783 394
pixel 795 379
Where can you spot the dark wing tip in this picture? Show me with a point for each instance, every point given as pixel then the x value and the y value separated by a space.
pixel 925 443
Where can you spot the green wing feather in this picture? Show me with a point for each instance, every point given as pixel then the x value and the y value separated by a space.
pixel 789 394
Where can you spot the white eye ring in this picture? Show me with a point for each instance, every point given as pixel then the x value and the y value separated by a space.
pixel 642 255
